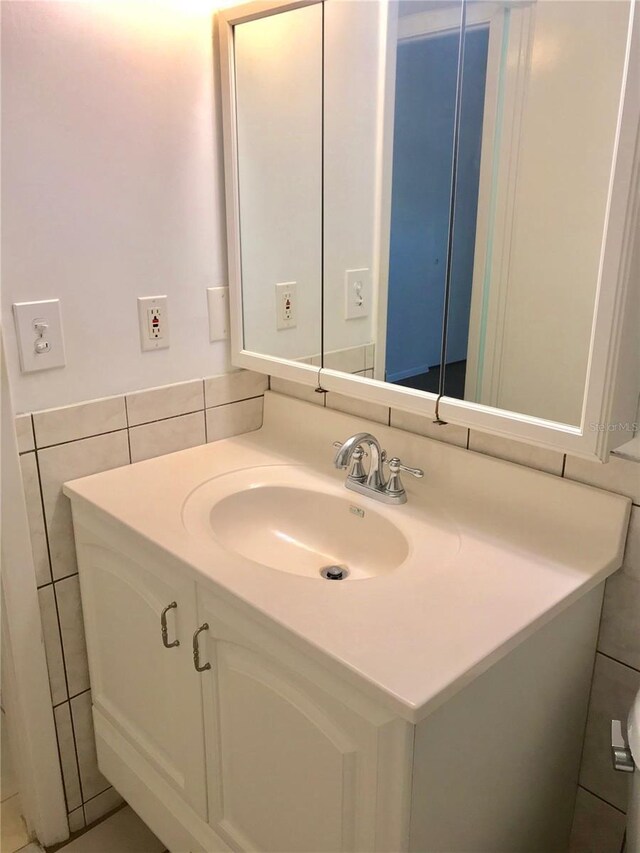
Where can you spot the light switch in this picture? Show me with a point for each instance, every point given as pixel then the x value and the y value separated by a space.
pixel 218 304
pixel 39 331
pixel 357 294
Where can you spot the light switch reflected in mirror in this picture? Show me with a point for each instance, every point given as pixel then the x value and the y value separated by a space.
pixel 423 191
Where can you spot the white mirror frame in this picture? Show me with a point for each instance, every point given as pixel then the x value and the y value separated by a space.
pixel 612 373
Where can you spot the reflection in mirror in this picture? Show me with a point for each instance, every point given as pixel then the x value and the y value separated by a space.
pixel 278 64
pixel 530 201
pixel 384 318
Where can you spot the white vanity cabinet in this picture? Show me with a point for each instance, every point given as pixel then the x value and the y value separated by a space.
pixel 239 739
pixel 296 759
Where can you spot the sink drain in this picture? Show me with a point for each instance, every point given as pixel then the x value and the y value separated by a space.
pixel 334 573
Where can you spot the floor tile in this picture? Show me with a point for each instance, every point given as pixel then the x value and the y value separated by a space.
pixel 13 831
pixel 123 832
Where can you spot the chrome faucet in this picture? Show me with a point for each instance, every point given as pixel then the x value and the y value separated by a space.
pixel 374 484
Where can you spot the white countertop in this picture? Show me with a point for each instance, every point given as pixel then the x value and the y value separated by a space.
pixel 529 544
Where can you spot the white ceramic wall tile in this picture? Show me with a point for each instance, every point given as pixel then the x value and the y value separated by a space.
pixel 52 644
pixel 68 462
pixel 360 408
pixel 516 451
pixel 597 826
pixel 612 692
pixel 67 756
pixel 166 402
pixel 101 805
pixel 369 356
pixel 234 419
pixel 24 433
pixel 368 373
pixel 76 820
pixel 422 425
pixel 72 628
pixel 231 387
pixel 160 437
pixel 295 389
pixel 347 360
pixel 73 422
pixel 93 782
pixel 616 475
pixel 35 516
pixel 620 623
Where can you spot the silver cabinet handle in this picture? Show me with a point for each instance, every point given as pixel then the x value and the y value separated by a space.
pixel 196 649
pixel 163 627
pixel 620 752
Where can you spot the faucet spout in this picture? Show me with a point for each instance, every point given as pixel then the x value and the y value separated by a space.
pixel 375 477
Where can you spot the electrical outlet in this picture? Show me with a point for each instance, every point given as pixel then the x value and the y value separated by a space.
pixel 286 305
pixel 153 317
pixel 357 294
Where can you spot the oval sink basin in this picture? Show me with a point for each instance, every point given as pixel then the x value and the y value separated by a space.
pixel 274 517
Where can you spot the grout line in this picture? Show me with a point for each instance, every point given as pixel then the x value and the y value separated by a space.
pixel 204 412
pixel 64 787
pixel 233 402
pixel 204 398
pixel 602 799
pixel 168 418
pixel 45 524
pixel 126 416
pixel 99 794
pixel 616 660
pixel 75 696
pixel 81 438
pixel 564 464
pixel 75 746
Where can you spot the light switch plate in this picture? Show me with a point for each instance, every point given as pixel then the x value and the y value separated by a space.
pixel 357 285
pixel 218 304
pixel 39 331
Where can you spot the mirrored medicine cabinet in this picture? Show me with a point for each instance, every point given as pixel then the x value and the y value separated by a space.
pixel 433 204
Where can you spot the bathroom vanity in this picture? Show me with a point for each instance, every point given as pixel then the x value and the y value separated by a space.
pixel 433 700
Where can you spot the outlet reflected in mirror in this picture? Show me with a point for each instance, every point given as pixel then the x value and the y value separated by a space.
pixel 423 190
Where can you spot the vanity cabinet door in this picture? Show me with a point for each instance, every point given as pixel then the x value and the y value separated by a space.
pixel 296 760
pixel 149 693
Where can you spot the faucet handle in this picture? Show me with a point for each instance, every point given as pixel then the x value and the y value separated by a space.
pixel 395 466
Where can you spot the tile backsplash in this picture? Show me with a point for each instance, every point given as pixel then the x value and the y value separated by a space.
pixel 61 444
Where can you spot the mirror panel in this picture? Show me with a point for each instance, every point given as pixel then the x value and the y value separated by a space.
pixel 278 63
pixel 527 236
pixel 427 182
pixel 390 95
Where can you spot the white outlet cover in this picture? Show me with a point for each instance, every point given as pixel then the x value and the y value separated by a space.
pixel 286 319
pixel 44 313
pixel 149 341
